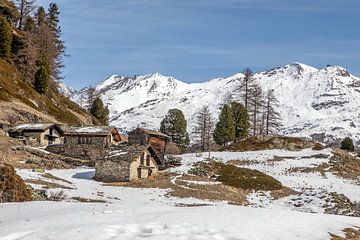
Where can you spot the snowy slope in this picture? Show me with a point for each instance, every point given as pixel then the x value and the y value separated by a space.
pixel 135 213
pixel 322 103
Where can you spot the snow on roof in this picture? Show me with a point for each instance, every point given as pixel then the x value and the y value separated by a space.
pixel 92 130
pixel 32 127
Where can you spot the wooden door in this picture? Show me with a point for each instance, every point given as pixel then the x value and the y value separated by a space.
pixel 139 172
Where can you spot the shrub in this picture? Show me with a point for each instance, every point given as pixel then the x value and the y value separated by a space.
pixel 347 144
pixel 57 196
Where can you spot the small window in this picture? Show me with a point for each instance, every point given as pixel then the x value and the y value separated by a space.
pixel 142 159
pixel 148 160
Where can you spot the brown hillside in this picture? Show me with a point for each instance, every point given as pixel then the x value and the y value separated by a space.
pixel 12 187
pixel 19 102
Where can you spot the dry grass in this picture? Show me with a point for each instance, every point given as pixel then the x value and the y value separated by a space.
pixel 46 184
pixel 184 189
pixel 283 192
pixel 88 200
pixel 350 234
pixel 270 142
pixel 50 176
pixel 13 89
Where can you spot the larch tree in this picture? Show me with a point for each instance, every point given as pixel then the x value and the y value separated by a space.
pixel 241 120
pixel 246 85
pixel 272 117
pixel 255 108
pixel 26 54
pixel 204 128
pixel 224 130
pixel 25 8
pixel 99 111
pixel 174 125
pixel 5 39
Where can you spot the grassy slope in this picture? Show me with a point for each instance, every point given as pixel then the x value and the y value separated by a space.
pixel 51 103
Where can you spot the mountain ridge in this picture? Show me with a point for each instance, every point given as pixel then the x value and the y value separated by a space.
pixel 317 103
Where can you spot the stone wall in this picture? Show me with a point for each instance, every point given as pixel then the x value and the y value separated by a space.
pixel 56 148
pixel 90 151
pixel 112 171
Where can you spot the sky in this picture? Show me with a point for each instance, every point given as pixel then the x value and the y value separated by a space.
pixel 198 40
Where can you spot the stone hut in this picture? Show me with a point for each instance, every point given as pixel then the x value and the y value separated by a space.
pixel 89 142
pixel 128 163
pixel 37 134
pixel 157 140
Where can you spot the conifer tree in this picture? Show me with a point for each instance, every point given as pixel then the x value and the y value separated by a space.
pixel 204 128
pixel 272 117
pixel 174 125
pixel 100 112
pixel 41 80
pixel 40 16
pixel 255 108
pixel 26 52
pixel 5 39
pixel 246 85
pixel 225 130
pixel 53 22
pixel 241 119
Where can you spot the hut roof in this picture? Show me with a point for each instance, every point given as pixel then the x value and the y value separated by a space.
pixel 150 132
pixel 130 152
pixel 89 130
pixel 34 127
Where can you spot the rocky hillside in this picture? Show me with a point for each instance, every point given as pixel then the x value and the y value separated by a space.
pixel 318 103
pixel 19 102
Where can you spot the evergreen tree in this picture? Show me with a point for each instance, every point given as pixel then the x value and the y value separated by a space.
pixel 225 130
pixel 204 128
pixel 100 112
pixel 347 144
pixel 53 22
pixel 5 39
pixel 41 80
pixel 40 16
pixel 174 125
pixel 241 119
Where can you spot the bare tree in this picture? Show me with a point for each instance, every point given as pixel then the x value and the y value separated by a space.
pixel 25 7
pixel 26 57
pixel 255 108
pixel 246 85
pixel 204 128
pixel 273 120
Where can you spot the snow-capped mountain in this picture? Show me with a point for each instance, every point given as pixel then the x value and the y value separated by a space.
pixel 321 103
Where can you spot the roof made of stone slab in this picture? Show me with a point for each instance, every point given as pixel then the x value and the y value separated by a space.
pixel 32 127
pixel 150 132
pixel 89 130
pixel 129 153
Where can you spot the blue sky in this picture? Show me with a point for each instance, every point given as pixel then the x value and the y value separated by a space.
pixel 197 40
